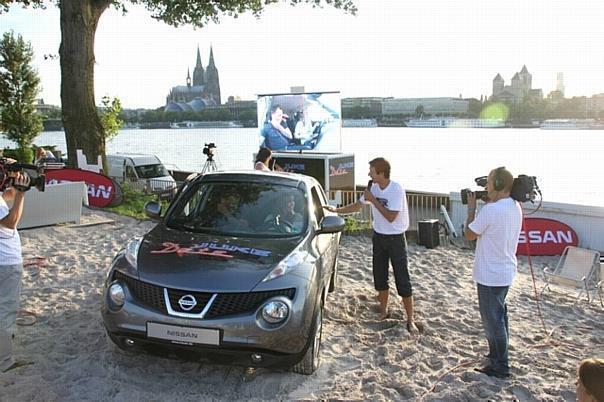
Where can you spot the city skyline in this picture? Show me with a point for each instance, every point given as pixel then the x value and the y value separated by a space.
pixel 390 48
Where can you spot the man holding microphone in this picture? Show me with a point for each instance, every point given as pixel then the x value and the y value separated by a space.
pixel 390 213
pixel 497 228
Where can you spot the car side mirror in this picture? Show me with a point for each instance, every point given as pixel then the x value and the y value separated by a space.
pixel 331 224
pixel 153 210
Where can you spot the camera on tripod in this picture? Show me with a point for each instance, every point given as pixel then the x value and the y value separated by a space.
pixel 524 189
pixel 8 172
pixel 208 149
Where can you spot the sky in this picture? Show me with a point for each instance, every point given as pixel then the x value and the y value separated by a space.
pixel 390 48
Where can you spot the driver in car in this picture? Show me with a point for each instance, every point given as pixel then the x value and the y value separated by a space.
pixel 286 216
pixel 227 213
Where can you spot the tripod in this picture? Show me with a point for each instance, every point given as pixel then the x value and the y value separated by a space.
pixel 210 165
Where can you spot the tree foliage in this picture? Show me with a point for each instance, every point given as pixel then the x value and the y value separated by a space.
pixel 19 86
pixel 110 117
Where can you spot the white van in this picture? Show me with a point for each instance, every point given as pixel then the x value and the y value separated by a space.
pixel 144 172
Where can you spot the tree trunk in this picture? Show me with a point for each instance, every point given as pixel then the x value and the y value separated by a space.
pixel 83 129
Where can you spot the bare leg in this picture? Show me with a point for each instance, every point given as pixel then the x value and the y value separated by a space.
pixel 408 303
pixel 382 298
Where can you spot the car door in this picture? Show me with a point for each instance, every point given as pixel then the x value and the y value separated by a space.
pixel 323 243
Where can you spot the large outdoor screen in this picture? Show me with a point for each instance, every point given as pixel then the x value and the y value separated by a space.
pixel 299 122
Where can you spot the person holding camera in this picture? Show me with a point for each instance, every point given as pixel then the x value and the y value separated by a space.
pixel 11 268
pixel 390 213
pixel 497 230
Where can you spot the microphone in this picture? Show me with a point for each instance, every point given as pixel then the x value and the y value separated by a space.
pixel 369 184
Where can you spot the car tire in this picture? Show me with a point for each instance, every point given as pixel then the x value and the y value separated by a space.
pixel 334 281
pixel 311 360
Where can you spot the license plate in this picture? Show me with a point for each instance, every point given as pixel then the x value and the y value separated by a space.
pixel 185 335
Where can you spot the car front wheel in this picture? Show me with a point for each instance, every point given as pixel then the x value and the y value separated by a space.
pixel 310 362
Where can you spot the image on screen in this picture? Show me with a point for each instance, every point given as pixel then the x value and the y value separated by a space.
pixel 300 122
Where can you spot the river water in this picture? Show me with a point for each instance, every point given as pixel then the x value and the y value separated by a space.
pixel 567 163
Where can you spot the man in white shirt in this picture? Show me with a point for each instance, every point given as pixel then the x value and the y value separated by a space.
pixel 390 221
pixel 497 228
pixel 11 268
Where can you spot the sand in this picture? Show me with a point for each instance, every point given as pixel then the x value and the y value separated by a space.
pixel 362 358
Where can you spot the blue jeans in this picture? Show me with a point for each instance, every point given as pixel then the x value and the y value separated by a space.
pixel 10 291
pixel 494 316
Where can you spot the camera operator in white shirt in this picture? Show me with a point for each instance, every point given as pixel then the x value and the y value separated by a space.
pixel 497 228
pixel 11 267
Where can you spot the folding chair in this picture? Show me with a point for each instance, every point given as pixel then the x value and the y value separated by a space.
pixel 600 285
pixel 575 269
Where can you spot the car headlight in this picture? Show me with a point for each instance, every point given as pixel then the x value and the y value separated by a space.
pixel 275 311
pixel 132 251
pixel 116 294
pixel 287 264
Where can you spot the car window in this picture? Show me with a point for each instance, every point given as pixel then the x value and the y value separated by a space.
pixel 151 171
pixel 243 209
pixel 317 205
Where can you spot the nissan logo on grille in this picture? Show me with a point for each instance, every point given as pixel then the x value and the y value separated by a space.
pixel 187 302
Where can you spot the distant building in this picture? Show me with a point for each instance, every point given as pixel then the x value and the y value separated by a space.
pixel 560 83
pixel 430 106
pixel 596 103
pixel 202 92
pixel 373 104
pixel 43 108
pixel 521 87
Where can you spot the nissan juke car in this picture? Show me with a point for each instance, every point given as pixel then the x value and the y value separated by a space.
pixel 238 266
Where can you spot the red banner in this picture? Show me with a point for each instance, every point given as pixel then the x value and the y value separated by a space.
pixel 545 237
pixel 101 189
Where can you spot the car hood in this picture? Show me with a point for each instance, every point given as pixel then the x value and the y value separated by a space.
pixel 207 262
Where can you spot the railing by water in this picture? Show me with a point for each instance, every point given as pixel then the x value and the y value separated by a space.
pixel 422 205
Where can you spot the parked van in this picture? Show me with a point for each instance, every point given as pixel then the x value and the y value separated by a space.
pixel 144 172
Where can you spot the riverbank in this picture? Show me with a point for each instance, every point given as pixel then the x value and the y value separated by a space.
pixel 362 358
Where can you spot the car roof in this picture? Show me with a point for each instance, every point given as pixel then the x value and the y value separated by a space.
pixel 140 158
pixel 257 176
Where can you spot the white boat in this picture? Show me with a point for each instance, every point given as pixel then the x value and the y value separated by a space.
pixel 206 124
pixel 359 123
pixel 450 122
pixel 571 124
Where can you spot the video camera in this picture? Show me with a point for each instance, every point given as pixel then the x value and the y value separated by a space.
pixel 8 172
pixel 524 189
pixel 208 149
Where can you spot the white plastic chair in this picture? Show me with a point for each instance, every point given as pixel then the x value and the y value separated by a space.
pixel 83 162
pixel 575 269
pixel 600 285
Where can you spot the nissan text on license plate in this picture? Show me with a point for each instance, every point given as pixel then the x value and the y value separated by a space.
pixel 185 335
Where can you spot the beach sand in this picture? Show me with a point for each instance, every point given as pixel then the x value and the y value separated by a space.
pixel 362 358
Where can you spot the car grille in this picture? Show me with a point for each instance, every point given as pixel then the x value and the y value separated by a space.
pixel 225 304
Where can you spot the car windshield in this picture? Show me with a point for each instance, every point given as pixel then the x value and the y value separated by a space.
pixel 242 209
pixel 151 171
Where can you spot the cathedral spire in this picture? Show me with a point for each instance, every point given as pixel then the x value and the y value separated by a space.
pixel 188 78
pixel 198 63
pixel 198 78
pixel 211 63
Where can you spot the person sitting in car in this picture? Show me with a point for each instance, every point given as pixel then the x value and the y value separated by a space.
pixel 227 216
pixel 286 216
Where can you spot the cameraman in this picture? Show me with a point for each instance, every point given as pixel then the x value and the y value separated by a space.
pixel 497 229
pixel 11 268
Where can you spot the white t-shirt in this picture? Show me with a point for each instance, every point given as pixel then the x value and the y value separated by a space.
pixel 498 228
pixel 10 243
pixel 393 198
